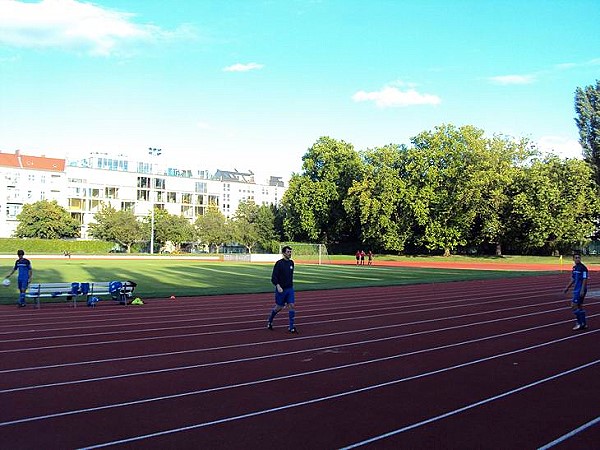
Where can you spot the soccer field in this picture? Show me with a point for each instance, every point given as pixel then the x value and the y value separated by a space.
pixel 181 277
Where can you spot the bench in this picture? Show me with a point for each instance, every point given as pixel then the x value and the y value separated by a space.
pixel 119 290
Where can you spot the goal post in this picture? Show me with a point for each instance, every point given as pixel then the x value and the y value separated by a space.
pixel 308 253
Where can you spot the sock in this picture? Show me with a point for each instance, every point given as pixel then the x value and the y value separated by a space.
pixel 21 298
pixel 273 314
pixel 579 316
pixel 292 315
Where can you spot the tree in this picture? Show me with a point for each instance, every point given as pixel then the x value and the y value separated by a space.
pixel 440 173
pixel 169 228
pixel 244 229
pixel 553 205
pixel 496 164
pixel 211 228
pixel 314 200
pixel 587 108
pixel 378 199
pixel 46 220
pixel 120 226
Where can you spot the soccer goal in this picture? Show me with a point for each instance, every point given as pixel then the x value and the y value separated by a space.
pixel 308 253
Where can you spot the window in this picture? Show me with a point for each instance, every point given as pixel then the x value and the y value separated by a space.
pixel 143 182
pixel 143 195
pixel 201 187
pixel 186 198
pixel 171 197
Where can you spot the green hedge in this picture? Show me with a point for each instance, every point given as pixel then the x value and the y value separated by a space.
pixel 54 246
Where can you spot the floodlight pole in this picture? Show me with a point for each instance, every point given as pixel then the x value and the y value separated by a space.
pixel 152 152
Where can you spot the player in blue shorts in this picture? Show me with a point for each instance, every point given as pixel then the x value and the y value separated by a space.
pixel 579 281
pixel 23 266
pixel 283 279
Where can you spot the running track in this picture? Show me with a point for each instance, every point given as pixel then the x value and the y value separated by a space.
pixel 463 365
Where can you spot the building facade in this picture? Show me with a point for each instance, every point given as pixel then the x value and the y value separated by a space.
pixel 85 185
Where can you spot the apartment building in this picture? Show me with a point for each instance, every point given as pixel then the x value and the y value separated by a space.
pixel 84 185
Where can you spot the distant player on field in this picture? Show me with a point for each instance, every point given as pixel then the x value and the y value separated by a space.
pixel 283 279
pixel 579 281
pixel 22 265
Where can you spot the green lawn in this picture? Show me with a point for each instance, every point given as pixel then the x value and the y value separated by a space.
pixel 163 278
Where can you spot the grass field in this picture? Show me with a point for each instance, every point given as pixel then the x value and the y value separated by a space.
pixel 163 278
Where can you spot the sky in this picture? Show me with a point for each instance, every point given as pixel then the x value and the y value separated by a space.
pixel 253 84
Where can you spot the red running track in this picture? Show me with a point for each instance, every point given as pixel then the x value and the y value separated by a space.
pixel 463 365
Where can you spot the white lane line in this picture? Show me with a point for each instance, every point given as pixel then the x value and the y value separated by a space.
pixel 161 337
pixel 299 338
pixel 308 373
pixel 465 302
pixel 276 355
pixel 344 394
pixel 570 434
pixel 467 407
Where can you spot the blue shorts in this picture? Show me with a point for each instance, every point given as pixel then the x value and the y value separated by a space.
pixel 287 296
pixel 22 283
pixel 578 298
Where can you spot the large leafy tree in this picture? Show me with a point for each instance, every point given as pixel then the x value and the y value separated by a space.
pixel 314 200
pixel 378 199
pixel 46 220
pixel 211 228
pixel 495 165
pixel 553 205
pixel 587 108
pixel 120 226
pixel 440 174
pixel 169 228
pixel 243 226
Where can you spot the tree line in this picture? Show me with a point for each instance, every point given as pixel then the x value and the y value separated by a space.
pixel 451 190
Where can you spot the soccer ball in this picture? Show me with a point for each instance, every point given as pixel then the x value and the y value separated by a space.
pixel 6 282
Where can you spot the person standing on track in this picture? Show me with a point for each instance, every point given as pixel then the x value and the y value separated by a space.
pixel 23 266
pixel 579 281
pixel 283 279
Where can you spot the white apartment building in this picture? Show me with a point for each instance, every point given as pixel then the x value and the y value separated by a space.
pixel 83 186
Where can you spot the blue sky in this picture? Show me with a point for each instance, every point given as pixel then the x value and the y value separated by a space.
pixel 251 84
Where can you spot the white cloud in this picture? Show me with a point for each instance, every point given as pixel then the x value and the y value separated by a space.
pixel 512 79
pixel 560 145
pixel 72 25
pixel 243 67
pixel 391 96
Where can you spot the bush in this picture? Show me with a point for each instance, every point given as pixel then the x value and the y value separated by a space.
pixel 54 246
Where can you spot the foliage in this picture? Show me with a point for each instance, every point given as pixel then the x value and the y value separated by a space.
pixel 314 200
pixel 46 220
pixel 169 228
pixel 254 226
pixel 211 228
pixel 120 226
pixel 55 246
pixel 587 108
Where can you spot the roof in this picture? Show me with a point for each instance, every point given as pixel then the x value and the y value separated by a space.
pixel 20 161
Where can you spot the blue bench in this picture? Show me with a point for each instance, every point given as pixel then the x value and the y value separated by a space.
pixel 119 290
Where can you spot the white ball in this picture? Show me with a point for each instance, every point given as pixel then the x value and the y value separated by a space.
pixel 6 282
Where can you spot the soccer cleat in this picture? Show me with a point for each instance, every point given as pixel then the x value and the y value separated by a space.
pixel 579 327
pixel 293 330
pixel 269 326
pixel 22 305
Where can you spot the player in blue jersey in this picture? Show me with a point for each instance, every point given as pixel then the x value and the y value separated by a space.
pixel 579 281
pixel 23 267
pixel 283 279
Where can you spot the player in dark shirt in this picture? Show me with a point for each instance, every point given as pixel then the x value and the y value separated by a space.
pixel 283 279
